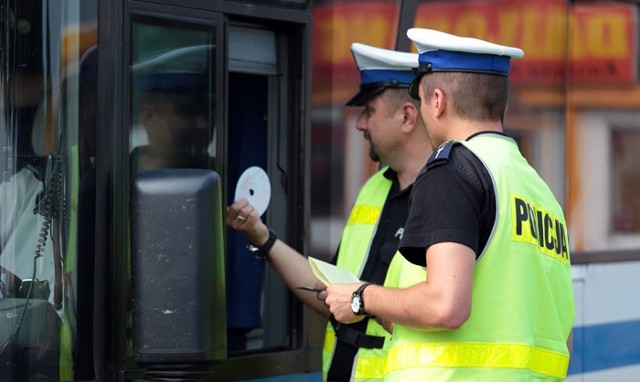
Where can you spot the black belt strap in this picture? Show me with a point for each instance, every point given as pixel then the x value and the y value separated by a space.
pixel 356 338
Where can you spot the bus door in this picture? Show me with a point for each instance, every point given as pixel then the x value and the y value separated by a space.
pixel 173 93
pixel 213 111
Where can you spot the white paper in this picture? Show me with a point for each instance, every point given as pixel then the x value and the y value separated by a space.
pixel 330 274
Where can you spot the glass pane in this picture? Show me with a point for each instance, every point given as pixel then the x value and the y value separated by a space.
pixel 248 127
pixel 172 111
pixel 256 300
pixel 625 178
pixel 172 96
pixel 47 189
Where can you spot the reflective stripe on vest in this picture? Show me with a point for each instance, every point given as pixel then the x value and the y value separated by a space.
pixel 364 215
pixel 367 368
pixel 478 355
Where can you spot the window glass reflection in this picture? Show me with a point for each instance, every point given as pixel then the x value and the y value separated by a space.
pixel 47 189
pixel 172 98
pixel 625 178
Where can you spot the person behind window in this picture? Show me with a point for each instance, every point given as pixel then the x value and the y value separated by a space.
pixel 488 229
pixel 22 213
pixel 177 130
pixel 173 109
pixel 33 195
pixel 19 225
pixel 390 122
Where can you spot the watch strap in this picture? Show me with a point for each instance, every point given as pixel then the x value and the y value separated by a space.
pixel 358 292
pixel 262 251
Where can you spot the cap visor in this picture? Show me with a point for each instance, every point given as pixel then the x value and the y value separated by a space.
pixel 364 95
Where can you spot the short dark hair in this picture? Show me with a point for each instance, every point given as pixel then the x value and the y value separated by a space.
pixel 478 96
pixel 395 97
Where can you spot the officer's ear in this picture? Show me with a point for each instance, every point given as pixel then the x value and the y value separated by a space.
pixel 438 102
pixel 410 115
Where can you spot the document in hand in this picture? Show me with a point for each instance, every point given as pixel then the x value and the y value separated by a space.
pixel 330 274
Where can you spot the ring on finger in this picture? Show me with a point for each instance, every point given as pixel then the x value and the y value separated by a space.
pixel 241 218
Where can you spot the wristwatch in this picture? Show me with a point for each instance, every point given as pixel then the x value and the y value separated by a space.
pixel 357 303
pixel 262 251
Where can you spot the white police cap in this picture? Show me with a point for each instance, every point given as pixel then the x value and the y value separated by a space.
pixel 180 67
pixel 444 52
pixel 381 69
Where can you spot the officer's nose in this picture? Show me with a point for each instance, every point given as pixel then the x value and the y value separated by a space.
pixel 361 124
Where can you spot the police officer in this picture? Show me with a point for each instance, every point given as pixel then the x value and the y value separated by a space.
pixel 391 123
pixel 488 229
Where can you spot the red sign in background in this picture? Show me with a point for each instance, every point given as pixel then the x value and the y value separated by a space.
pixel 588 44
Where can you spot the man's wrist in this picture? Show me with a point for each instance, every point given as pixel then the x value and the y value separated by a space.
pixel 261 251
pixel 357 300
pixel 261 237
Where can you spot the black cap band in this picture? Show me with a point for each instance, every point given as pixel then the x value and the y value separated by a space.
pixel 367 91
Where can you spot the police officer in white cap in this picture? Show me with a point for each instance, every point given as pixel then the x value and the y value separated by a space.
pixel 173 108
pixel 398 139
pixel 488 229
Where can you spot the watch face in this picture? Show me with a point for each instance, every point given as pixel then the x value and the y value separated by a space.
pixel 355 304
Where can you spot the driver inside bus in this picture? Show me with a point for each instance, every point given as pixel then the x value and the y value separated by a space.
pixel 19 197
pixel 35 223
pixel 27 266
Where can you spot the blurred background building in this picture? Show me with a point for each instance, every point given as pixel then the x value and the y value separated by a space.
pixel 574 110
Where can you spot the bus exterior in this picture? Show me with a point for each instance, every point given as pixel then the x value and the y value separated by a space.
pixel 127 126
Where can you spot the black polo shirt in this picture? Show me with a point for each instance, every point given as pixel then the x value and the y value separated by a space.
pixel 384 245
pixel 453 200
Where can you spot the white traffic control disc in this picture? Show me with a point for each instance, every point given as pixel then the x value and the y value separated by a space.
pixel 254 185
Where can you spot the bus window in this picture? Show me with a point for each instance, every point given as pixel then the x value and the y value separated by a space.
pixel 625 174
pixel 47 190
pixel 172 95
pixel 172 107
pixel 176 203
pixel 248 133
pixel 256 298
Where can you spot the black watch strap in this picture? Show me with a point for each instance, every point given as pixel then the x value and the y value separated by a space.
pixel 262 251
pixel 358 292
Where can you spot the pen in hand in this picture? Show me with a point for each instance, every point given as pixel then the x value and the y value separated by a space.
pixel 310 289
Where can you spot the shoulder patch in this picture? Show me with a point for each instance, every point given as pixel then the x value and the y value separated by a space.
pixel 441 154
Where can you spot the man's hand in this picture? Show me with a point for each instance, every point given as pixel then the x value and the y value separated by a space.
pixel 386 325
pixel 242 217
pixel 339 302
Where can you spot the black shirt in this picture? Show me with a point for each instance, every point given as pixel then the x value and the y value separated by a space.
pixel 453 200
pixel 383 246
pixel 388 232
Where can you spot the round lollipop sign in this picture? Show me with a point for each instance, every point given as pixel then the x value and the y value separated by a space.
pixel 254 186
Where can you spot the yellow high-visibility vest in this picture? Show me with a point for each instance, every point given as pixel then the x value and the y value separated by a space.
pixel 523 307
pixel 354 248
